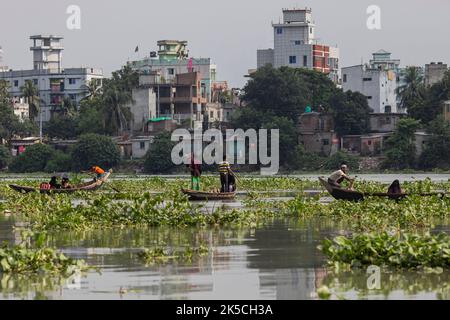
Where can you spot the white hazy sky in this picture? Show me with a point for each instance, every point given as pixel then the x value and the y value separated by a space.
pixel 228 31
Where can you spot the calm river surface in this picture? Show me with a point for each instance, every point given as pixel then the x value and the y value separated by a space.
pixel 276 261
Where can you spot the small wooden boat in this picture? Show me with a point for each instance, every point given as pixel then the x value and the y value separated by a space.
pixel 351 195
pixel 205 196
pixel 88 186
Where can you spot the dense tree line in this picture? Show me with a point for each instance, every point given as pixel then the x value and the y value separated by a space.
pixel 277 97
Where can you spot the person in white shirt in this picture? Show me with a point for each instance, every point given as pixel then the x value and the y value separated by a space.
pixel 337 177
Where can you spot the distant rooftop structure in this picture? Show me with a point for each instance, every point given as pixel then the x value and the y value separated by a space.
pixel 47 52
pixel 382 60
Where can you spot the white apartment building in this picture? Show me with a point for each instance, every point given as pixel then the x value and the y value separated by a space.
pixel 53 82
pixel 377 81
pixel 173 58
pixel 295 46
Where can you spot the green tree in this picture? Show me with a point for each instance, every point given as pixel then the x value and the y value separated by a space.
pixel 158 158
pixel 89 119
pixel 279 91
pixel 336 160
pixel 34 159
pixel 59 162
pixel 61 126
pixel 115 112
pixel 351 113
pixel 400 147
pixel 94 149
pixel 31 93
pixel 437 149
pixel 288 139
pixel 5 157
pixel 94 89
pixel 412 92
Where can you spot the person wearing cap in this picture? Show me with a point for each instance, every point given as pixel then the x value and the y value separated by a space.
pixel 337 177
pixel 65 182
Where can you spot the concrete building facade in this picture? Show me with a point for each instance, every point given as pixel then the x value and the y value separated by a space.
pixel 173 59
pixel 53 82
pixel 296 46
pixel 434 73
pixel 377 81
pixel 316 133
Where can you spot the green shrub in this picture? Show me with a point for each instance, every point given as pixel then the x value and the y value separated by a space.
pixel 5 157
pixel 158 158
pixel 34 159
pixel 339 158
pixel 94 149
pixel 60 162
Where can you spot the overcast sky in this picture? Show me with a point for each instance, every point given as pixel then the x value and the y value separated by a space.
pixel 228 31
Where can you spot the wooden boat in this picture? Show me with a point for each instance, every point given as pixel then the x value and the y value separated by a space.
pixel 351 195
pixel 205 196
pixel 88 186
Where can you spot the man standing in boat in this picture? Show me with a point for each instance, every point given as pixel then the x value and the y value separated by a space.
pixel 225 172
pixel 337 177
pixel 195 167
pixel 98 171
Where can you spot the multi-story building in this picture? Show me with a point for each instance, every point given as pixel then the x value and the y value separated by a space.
pixel 157 100
pixel 21 109
pixel 434 73
pixel 54 83
pixel 377 81
pixel 295 46
pixel 173 58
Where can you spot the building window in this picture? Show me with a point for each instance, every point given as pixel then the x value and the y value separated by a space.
pixel 387 109
pixel 345 78
pixel 212 114
pixel 367 79
pixel 72 81
pixel 73 97
pixel 142 145
pixel 16 83
pixel 305 61
pixel 297 42
pixel 35 82
pixel 171 71
pixel 279 30
pixel 326 142
pixel 369 97
pixel 311 30
pixel 292 59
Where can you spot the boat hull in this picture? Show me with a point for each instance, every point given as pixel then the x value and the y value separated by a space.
pixel 89 186
pixel 205 196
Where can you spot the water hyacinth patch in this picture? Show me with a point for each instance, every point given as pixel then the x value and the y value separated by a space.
pixel 161 255
pixel 400 251
pixel 31 256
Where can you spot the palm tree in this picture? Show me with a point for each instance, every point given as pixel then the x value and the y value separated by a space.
pixel 413 90
pixel 31 93
pixel 4 91
pixel 94 89
pixel 115 112
pixel 68 107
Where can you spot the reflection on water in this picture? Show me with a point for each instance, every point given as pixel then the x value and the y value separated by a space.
pixel 277 261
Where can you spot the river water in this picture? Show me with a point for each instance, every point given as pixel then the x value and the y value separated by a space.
pixel 277 261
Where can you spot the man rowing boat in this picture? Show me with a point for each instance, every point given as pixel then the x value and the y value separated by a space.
pixel 337 177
